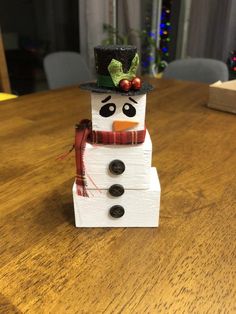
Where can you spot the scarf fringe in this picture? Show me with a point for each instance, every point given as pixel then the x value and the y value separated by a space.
pixel 81 190
pixel 64 155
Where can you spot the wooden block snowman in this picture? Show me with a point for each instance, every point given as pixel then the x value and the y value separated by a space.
pixel 115 184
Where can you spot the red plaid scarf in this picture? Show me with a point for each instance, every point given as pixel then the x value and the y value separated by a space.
pixel 84 134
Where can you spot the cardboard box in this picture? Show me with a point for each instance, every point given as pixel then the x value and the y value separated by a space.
pixel 222 96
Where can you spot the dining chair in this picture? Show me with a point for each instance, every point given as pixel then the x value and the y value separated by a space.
pixel 197 69
pixel 4 77
pixel 65 68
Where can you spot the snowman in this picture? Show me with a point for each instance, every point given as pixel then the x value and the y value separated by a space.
pixel 115 184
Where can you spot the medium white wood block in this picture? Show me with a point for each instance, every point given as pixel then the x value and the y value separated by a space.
pixel 117 104
pixel 137 160
pixel 141 207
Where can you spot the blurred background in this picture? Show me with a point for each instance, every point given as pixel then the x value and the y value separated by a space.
pixel 163 31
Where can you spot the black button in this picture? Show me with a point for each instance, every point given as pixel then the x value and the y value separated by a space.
pixel 116 190
pixel 117 211
pixel 117 166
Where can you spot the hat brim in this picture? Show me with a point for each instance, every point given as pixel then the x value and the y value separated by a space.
pixel 92 86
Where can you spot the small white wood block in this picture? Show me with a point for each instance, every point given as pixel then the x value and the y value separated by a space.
pixel 118 101
pixel 141 207
pixel 137 160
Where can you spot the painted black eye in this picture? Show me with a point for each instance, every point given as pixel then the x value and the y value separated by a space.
pixel 129 110
pixel 107 110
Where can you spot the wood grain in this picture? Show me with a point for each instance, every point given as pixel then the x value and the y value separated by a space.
pixel 185 266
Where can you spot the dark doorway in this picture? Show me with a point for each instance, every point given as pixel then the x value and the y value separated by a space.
pixel 32 29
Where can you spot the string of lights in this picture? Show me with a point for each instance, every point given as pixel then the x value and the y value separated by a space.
pixel 160 55
pixel 165 29
pixel 232 61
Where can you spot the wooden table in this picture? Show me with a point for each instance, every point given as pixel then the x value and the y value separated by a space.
pixel 187 265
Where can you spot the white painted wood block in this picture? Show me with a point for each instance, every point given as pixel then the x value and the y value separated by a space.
pixel 137 160
pixel 141 207
pixel 117 104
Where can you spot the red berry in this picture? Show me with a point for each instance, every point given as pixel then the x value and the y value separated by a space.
pixel 125 85
pixel 136 83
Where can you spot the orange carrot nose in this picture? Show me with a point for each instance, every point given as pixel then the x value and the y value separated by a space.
pixel 119 126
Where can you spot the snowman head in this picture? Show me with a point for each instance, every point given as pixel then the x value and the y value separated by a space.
pixel 118 98
pixel 116 112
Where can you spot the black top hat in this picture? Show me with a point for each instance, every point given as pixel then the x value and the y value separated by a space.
pixel 114 64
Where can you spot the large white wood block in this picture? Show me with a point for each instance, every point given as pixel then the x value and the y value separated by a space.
pixel 137 160
pixel 141 207
pixel 121 107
